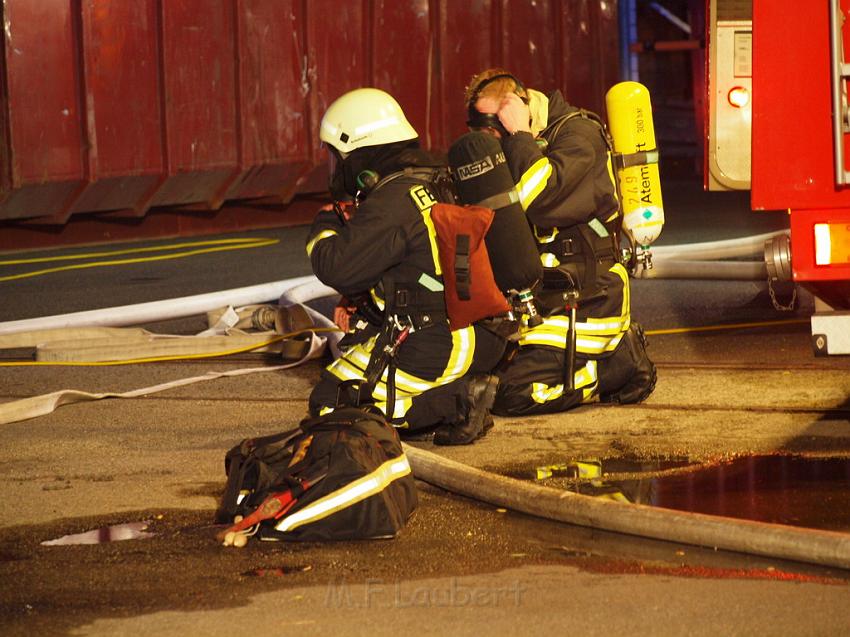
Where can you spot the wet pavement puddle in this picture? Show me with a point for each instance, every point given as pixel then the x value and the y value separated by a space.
pixel 115 533
pixel 782 489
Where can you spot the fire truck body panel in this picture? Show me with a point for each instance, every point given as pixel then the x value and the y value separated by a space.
pixel 793 154
pixel 800 136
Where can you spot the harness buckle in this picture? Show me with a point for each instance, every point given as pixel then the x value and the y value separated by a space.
pixel 568 248
pixel 401 298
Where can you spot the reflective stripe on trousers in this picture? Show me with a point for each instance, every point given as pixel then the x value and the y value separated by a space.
pixel 585 379
pixel 352 366
pixel 594 336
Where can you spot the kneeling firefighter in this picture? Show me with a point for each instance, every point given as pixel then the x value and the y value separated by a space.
pixel 404 358
pixel 560 157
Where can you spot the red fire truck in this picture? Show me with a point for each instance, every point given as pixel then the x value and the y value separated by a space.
pixel 778 124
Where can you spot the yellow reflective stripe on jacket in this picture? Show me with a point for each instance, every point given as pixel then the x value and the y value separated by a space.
pixel 423 201
pixel 614 184
pixel 352 365
pixel 620 270
pixel 376 298
pixel 533 181
pixel 559 323
pixel 593 335
pixel 348 495
pixel 584 379
pixel 344 369
pixel 460 360
pixel 584 344
pixel 432 237
pixel 463 347
pixel 324 234
pixel 625 311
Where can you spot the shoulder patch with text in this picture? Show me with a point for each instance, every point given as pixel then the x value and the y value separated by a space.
pixel 422 198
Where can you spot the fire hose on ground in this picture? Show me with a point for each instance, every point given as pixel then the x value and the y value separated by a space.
pixel 813 546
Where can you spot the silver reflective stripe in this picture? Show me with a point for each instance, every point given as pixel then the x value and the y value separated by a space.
pixel 429 282
pixel 598 228
pixel 351 493
pixel 585 379
pixel 533 181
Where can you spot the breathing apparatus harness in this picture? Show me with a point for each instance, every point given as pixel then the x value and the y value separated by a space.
pixel 580 250
pixel 585 247
pixel 406 308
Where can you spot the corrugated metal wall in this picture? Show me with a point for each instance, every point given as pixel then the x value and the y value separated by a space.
pixel 122 105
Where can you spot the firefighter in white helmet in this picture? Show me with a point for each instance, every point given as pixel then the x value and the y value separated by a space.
pixel 560 159
pixel 421 374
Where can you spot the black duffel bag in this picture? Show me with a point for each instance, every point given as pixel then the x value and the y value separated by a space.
pixel 340 476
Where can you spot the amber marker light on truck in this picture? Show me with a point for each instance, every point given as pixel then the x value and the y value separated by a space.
pixel 832 243
pixel 738 96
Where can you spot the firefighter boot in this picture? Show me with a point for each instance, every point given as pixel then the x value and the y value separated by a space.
pixel 481 396
pixel 630 358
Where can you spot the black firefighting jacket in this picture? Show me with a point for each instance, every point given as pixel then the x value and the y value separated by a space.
pixel 569 182
pixel 389 241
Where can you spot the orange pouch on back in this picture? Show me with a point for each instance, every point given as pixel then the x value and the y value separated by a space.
pixel 470 288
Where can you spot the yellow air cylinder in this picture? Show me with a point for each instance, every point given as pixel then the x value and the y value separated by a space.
pixel 630 123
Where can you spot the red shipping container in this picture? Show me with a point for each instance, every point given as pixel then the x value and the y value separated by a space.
pixel 117 106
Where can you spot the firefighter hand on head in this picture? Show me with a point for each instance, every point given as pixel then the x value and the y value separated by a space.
pixel 513 113
pixel 497 103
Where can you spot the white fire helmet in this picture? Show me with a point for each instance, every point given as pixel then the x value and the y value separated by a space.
pixel 364 117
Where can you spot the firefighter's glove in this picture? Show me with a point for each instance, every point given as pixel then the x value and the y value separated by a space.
pixel 342 314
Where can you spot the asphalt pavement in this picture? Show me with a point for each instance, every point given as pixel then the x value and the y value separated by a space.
pixel 736 378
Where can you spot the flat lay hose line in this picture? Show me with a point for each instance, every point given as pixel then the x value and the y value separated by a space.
pixel 280 337
pixel 155 359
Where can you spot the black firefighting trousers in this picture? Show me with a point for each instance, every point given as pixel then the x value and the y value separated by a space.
pixel 610 365
pixel 432 369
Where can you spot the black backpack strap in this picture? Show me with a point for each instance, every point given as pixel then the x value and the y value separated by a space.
pixel 552 128
pixel 235 478
pixel 500 200
pixel 462 266
pixel 437 177
pixel 242 458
